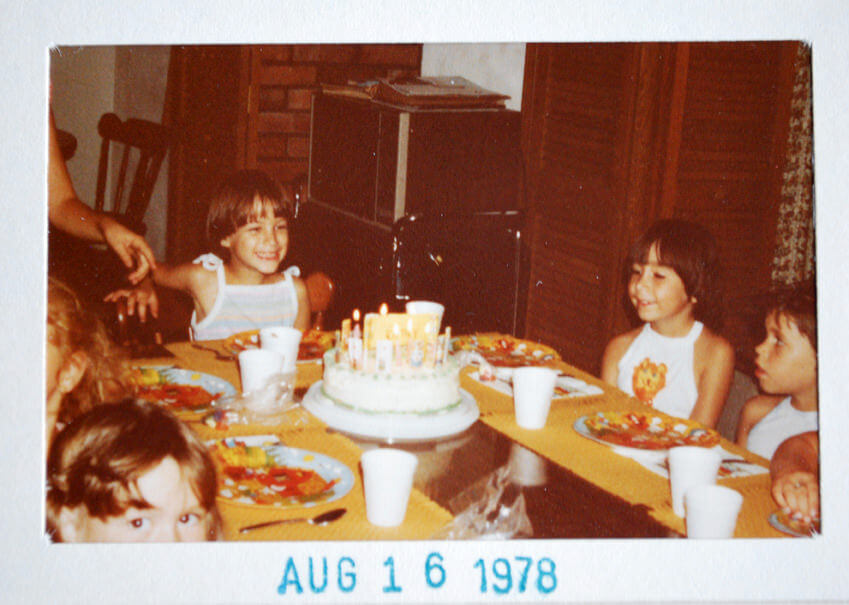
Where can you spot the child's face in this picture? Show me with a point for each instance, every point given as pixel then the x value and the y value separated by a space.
pixel 259 245
pixel 175 514
pixel 786 360
pixel 656 290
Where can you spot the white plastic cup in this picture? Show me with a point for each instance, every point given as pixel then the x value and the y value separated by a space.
pixel 712 511
pixel 256 366
pixel 387 481
pixel 533 388
pixel 527 468
pixel 285 341
pixel 690 466
pixel 415 307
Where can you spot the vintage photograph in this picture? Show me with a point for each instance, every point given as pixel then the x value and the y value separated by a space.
pixel 431 291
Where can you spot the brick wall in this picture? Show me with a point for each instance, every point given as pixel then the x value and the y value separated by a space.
pixel 282 79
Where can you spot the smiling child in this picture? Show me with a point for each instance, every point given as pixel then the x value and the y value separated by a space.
pixel 242 289
pixel 673 362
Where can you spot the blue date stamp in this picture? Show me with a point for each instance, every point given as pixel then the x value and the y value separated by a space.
pixel 497 576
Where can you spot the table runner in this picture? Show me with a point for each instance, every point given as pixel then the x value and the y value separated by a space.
pixel 424 517
pixel 558 442
pixel 599 464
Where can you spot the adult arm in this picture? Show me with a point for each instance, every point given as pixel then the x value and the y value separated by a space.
pixel 68 213
pixel 794 470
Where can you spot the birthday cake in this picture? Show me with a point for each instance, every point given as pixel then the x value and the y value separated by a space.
pixel 399 364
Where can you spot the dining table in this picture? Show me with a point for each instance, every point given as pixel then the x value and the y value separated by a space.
pixel 555 482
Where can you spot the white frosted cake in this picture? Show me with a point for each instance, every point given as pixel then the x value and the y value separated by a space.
pixel 400 390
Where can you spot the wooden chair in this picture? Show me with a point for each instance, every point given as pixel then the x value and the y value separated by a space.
pixel 146 142
pixel 92 269
pixel 320 290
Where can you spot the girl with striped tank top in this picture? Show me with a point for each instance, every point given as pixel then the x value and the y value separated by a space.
pixel 241 287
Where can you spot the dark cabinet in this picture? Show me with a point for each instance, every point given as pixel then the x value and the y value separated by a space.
pixel 374 168
pixel 380 162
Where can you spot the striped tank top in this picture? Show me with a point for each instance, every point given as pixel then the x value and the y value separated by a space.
pixel 238 308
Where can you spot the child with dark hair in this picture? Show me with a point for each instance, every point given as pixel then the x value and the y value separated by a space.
pixel 786 369
pixel 675 361
pixel 242 289
pixel 130 472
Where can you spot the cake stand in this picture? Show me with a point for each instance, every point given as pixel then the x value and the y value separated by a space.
pixel 406 427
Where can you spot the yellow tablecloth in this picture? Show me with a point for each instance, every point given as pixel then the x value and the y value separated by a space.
pixel 599 464
pixel 424 517
pixel 558 442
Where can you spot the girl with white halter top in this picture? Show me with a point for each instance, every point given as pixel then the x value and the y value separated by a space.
pixel 674 361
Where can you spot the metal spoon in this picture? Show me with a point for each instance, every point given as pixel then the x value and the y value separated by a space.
pixel 322 519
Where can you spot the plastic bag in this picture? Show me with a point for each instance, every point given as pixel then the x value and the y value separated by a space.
pixel 493 508
pixel 271 405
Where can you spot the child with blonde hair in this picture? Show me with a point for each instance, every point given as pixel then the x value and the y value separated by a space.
pixel 242 289
pixel 674 361
pixel 130 472
pixel 786 369
pixel 84 368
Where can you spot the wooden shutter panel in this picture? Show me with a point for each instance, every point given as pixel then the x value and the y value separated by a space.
pixel 616 136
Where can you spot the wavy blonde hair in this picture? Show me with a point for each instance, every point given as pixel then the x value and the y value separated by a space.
pixel 71 328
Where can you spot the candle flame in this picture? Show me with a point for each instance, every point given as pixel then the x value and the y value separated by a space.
pixel 356 315
pixel 384 309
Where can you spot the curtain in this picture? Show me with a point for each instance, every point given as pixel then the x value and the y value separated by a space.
pixel 794 256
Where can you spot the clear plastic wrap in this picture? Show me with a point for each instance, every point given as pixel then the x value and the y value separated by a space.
pixel 492 508
pixel 271 405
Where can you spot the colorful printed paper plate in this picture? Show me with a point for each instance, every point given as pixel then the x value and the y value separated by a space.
pixel 313 344
pixel 258 470
pixel 182 391
pixel 644 431
pixel 502 350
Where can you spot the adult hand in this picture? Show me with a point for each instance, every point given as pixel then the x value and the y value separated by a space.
pixel 130 247
pixel 143 299
pixel 798 493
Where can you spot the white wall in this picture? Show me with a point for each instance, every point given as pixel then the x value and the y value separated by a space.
pixel 497 67
pixel 129 81
pixel 141 73
pixel 82 89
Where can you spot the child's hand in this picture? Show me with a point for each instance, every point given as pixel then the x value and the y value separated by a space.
pixel 798 492
pixel 143 298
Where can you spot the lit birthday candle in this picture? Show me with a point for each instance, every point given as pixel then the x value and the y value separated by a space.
pixel 355 347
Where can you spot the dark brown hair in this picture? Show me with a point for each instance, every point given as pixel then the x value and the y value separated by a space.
pixel 691 251
pixel 97 460
pixel 799 304
pixel 242 197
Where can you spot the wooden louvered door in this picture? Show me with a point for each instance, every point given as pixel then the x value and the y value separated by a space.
pixel 616 136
